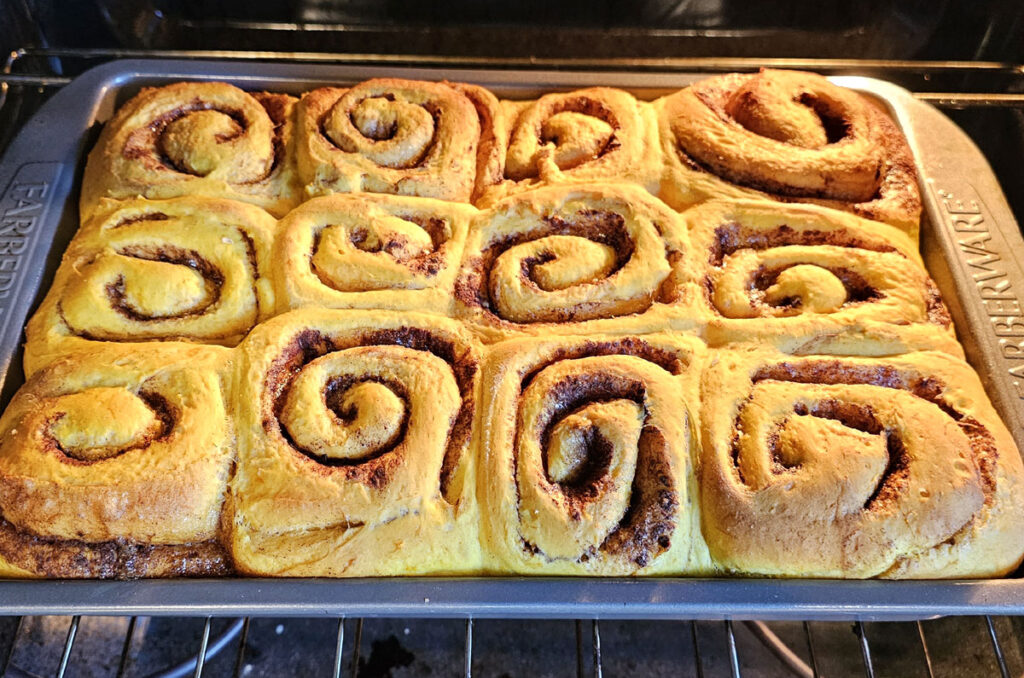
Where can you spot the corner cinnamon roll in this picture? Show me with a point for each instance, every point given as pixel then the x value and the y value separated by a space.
pixel 791 136
pixel 852 467
pixel 182 270
pixel 196 138
pixel 116 468
pixel 354 446
pixel 389 135
pixel 813 280
pixel 575 259
pixel 388 252
pixel 586 459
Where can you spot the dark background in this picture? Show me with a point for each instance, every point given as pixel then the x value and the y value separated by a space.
pixel 876 29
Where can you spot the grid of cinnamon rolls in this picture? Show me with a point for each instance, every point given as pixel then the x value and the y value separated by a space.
pixel 409 328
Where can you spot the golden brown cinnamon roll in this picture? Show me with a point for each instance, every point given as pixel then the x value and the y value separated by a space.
pixel 196 138
pixel 389 136
pixel 791 136
pixel 590 135
pixel 586 457
pixel 813 280
pixel 389 252
pixel 354 446
pixel 490 152
pixel 575 259
pixel 854 467
pixel 116 468
pixel 181 270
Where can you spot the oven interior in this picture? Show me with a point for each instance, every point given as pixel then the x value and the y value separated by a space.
pixel 963 57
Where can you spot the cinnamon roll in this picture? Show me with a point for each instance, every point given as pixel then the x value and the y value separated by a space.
pixel 393 252
pixel 180 270
pixel 354 446
pixel 586 456
pixel 116 468
pixel 811 280
pixel 854 467
pixel 389 136
pixel 575 259
pixel 490 152
pixel 196 138
pixel 791 136
pixel 590 135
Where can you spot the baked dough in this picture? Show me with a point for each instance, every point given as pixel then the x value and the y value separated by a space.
pixel 576 259
pixel 587 451
pixel 855 467
pixel 808 279
pixel 354 454
pixel 371 251
pixel 196 138
pixel 786 135
pixel 389 136
pixel 117 468
pixel 590 135
pixel 182 270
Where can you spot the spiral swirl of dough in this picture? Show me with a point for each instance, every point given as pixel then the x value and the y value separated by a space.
pixel 356 428
pixel 208 139
pixel 850 467
pixel 792 135
pixel 371 252
pixel 588 442
pixel 389 136
pixel 190 269
pixel 134 452
pixel 564 254
pixel 797 275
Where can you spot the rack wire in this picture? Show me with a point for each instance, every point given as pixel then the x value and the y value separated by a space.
pixel 589 655
pixel 34 73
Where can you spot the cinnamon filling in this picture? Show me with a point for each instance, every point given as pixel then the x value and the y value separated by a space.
pixel 378 469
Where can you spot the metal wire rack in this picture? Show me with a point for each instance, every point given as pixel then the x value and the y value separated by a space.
pixel 223 647
pixel 962 646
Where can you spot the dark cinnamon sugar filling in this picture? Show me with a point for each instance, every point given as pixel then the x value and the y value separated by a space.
pixel 605 228
pixel 929 389
pixel 645 529
pixel 114 559
pixel 375 471
pixel 162 409
pixel 732 237
pixel 212 276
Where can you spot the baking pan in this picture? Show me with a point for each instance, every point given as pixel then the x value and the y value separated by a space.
pixel 970 241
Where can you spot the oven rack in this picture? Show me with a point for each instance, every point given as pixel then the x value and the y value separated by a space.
pixel 802 657
pixel 1001 84
pixel 30 75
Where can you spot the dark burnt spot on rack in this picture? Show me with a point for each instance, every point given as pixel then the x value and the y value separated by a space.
pixel 55 557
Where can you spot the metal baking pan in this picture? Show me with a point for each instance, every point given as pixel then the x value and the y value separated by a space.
pixel 971 244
